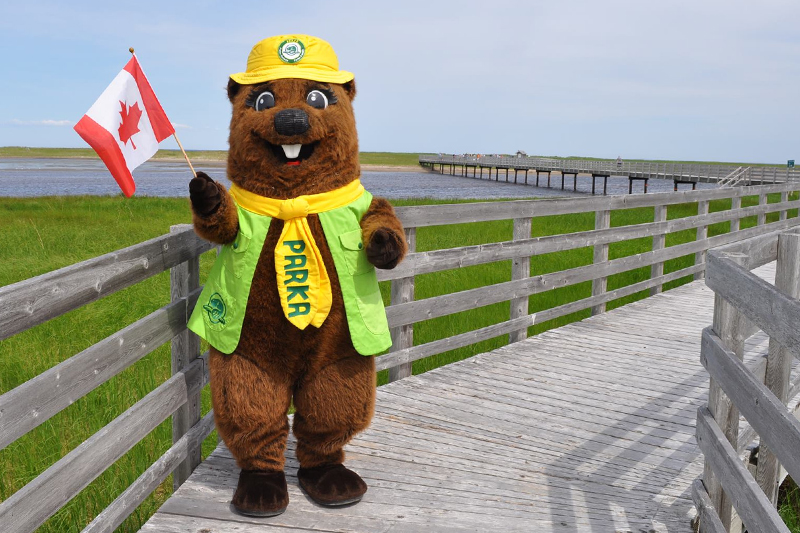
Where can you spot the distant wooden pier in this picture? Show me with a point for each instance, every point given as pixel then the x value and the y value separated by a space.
pixel 679 173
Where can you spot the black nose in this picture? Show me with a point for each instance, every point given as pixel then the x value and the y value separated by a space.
pixel 291 122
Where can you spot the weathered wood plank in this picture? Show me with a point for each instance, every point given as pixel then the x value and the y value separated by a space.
pixel 708 520
pixel 753 506
pixel 766 413
pixel 602 221
pixel 702 234
pixel 185 348
pixel 30 506
pixel 659 241
pixel 419 216
pixel 403 292
pixel 37 400
pixel 772 311
pixel 520 269
pixel 779 361
pixel 39 299
pixel 127 502
pixel 408 355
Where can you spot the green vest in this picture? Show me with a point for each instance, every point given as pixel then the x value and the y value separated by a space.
pixel 219 313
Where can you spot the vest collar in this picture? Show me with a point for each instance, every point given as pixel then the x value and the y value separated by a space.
pixel 300 206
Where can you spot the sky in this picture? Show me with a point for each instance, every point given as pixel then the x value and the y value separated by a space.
pixel 706 80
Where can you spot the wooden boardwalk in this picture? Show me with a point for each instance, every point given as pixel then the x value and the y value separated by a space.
pixel 588 427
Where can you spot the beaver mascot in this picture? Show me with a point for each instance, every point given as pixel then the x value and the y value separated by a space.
pixel 292 306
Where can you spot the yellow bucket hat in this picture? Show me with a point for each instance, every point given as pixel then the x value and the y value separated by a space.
pixel 292 56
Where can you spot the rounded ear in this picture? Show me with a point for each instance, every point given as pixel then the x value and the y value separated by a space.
pixel 233 89
pixel 350 89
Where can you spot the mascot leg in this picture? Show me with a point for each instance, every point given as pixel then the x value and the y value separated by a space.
pixel 250 410
pixel 332 405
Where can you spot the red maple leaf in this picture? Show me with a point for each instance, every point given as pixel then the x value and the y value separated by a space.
pixel 130 122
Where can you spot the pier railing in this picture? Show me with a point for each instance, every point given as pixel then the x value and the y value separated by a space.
pixel 687 172
pixel 404 311
pixel 37 300
pixel 731 494
pixel 31 302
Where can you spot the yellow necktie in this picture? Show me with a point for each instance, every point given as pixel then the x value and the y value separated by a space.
pixel 303 283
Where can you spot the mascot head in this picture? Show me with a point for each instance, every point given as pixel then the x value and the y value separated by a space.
pixel 292 130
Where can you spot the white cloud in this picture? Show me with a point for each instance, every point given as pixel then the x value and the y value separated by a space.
pixel 179 126
pixel 46 122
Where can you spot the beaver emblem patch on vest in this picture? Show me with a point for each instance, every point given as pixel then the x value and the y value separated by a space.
pixel 216 309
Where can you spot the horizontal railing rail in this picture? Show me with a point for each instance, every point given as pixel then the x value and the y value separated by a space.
pixel 729 493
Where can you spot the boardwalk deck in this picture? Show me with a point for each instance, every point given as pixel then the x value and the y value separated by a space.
pixel 588 427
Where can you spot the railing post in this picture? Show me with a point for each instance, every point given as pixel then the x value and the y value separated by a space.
pixel 784 198
pixel 520 269
pixel 185 278
pixel 736 203
pixel 702 234
pixel 779 359
pixel 602 220
pixel 762 200
pixel 657 269
pixel 403 292
pixel 730 325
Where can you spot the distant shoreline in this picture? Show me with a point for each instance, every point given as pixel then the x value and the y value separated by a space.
pixel 372 161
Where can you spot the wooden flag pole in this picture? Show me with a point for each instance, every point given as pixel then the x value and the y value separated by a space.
pixel 177 140
pixel 184 154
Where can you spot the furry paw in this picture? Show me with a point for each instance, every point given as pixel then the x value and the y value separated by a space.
pixel 332 485
pixel 260 493
pixel 385 248
pixel 204 195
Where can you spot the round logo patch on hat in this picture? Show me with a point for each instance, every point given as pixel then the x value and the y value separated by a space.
pixel 291 50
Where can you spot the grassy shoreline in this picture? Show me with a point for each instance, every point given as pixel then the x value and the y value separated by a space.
pixel 387 159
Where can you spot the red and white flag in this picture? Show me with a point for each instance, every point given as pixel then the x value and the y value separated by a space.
pixel 125 125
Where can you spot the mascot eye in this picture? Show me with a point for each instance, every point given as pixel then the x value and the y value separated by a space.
pixel 264 101
pixel 317 99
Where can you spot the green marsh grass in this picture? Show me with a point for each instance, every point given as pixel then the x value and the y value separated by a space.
pixel 43 234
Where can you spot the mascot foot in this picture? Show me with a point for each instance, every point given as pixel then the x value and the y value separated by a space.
pixel 261 493
pixel 332 485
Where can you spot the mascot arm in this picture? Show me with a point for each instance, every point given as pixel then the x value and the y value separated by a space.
pixel 214 212
pixel 383 233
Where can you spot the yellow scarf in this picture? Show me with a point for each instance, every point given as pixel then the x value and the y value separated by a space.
pixel 303 283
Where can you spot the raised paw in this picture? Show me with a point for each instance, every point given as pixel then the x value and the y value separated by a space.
pixel 385 248
pixel 204 194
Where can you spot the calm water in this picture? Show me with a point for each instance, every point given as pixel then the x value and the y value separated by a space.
pixel 48 177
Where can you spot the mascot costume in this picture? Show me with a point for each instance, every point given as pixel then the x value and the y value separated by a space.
pixel 291 308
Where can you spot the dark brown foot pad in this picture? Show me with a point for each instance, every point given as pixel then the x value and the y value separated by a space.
pixel 260 493
pixel 332 485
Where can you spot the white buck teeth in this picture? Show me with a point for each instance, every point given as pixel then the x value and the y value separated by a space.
pixel 291 150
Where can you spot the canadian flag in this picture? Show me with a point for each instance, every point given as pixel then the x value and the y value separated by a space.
pixel 125 125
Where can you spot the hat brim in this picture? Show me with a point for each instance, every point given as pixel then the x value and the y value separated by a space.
pixel 294 71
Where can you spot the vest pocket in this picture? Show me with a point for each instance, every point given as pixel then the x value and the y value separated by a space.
pixel 370 302
pixel 235 255
pixel 353 251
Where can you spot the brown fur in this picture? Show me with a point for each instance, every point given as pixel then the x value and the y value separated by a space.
pixel 333 387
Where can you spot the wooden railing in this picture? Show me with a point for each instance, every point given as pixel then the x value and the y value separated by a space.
pixel 404 311
pixel 730 494
pixel 638 169
pixel 34 301
pixel 37 300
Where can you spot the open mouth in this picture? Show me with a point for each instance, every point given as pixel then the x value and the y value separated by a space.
pixel 292 154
